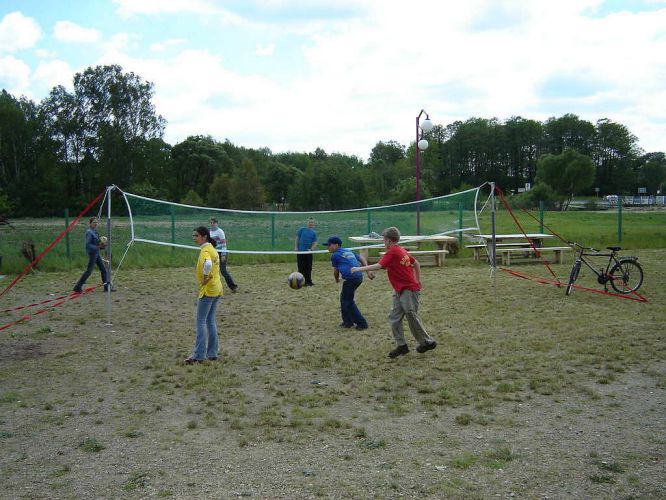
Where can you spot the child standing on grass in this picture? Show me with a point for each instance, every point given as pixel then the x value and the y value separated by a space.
pixel 342 261
pixel 404 273
pixel 306 241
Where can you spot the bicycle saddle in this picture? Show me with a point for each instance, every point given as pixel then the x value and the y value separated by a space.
pixel 614 249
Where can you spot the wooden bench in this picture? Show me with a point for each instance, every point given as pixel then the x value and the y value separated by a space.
pixel 439 255
pixel 482 246
pixel 506 252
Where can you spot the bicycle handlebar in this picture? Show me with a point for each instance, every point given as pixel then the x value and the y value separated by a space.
pixel 574 244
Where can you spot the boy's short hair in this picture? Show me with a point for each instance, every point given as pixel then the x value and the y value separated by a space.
pixel 212 220
pixel 392 234
pixel 90 221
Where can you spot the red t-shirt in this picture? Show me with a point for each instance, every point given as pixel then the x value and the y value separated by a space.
pixel 400 268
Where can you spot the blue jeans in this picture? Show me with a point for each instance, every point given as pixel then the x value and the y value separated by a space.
pixel 225 274
pixel 206 347
pixel 348 308
pixel 93 258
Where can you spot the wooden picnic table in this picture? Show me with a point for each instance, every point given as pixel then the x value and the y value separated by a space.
pixel 537 238
pixel 517 243
pixel 442 242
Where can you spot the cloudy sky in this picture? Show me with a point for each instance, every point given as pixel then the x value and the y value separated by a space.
pixel 294 75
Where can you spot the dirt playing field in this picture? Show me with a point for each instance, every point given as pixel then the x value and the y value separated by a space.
pixel 529 394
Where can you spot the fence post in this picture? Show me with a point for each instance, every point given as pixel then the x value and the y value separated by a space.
pixel 541 204
pixel 273 230
pixel 369 221
pixel 67 248
pixel 460 224
pixel 173 227
pixel 619 219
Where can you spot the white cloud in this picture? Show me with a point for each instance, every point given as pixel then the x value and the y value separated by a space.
pixel 130 8
pixel 18 32
pixel 265 50
pixel 14 75
pixel 362 78
pixel 67 31
pixel 167 44
pixel 121 42
pixel 51 73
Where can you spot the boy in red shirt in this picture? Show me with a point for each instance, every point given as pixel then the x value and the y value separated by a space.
pixel 404 273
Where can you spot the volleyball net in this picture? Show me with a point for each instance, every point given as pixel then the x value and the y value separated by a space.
pixel 273 232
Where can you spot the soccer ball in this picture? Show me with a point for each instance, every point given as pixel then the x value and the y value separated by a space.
pixel 296 280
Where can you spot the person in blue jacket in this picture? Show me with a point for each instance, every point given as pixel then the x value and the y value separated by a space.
pixel 342 260
pixel 93 246
pixel 306 241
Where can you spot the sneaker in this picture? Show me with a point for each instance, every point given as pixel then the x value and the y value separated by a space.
pixel 214 358
pixel 77 290
pixel 359 327
pixel 191 361
pixel 426 347
pixel 234 289
pixel 399 351
pixel 344 325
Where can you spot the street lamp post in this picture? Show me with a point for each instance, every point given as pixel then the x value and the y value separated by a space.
pixel 421 145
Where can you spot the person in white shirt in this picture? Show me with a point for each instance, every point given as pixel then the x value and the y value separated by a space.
pixel 217 234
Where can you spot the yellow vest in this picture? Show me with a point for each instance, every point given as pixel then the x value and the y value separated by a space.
pixel 214 286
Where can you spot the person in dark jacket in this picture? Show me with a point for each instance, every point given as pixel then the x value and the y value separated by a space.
pixel 93 246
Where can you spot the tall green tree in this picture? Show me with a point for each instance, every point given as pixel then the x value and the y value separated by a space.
pixel 195 163
pixel 247 192
pixel 569 131
pixel 615 152
pixel 652 172
pixel 568 173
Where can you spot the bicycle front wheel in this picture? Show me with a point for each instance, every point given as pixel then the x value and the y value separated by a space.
pixel 626 276
pixel 573 277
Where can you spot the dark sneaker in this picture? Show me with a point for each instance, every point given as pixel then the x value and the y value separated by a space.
pixel 77 290
pixel 191 361
pixel 343 325
pixel 234 289
pixel 359 327
pixel 399 351
pixel 214 358
pixel 426 347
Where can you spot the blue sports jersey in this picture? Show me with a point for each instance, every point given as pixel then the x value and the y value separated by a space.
pixel 306 237
pixel 344 259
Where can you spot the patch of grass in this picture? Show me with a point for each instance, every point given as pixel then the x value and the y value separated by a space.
pixel 10 397
pixel 90 445
pixel 601 479
pixel 463 419
pixel 133 434
pixel 498 457
pixel 611 467
pixel 464 461
pixel 63 471
pixel 372 444
pixel 135 481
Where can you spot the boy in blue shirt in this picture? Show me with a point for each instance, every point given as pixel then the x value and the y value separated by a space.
pixel 306 241
pixel 342 260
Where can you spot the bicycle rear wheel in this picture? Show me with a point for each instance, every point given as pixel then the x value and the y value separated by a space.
pixel 573 277
pixel 626 276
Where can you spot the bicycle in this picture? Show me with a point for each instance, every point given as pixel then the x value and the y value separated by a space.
pixel 624 273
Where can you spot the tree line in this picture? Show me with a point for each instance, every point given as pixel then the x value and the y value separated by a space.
pixel 63 151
